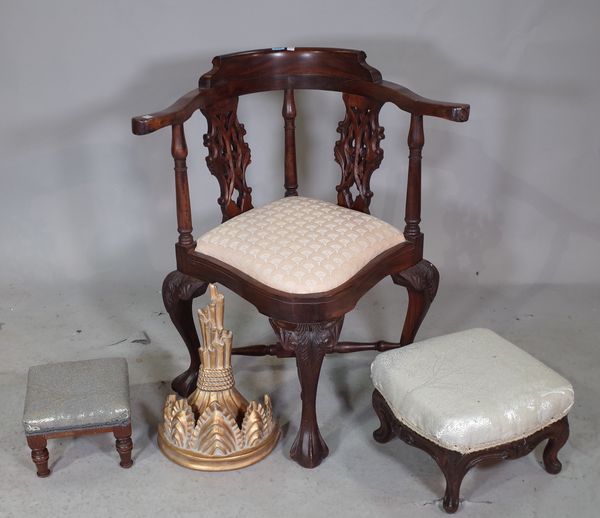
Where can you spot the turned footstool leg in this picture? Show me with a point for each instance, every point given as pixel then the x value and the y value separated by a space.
pixel 124 444
pixel 70 399
pixel 39 454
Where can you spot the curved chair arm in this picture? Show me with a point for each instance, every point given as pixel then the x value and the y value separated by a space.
pixel 385 91
pixel 180 111
pixel 409 101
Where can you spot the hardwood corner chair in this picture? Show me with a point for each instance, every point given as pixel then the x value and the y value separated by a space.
pixel 332 255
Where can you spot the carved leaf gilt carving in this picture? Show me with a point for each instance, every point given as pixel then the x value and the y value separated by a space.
pixel 267 415
pixel 228 156
pixel 215 425
pixel 181 422
pixel 358 151
pixel 252 426
pixel 217 432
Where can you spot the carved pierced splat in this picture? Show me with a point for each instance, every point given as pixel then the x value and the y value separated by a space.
pixel 228 156
pixel 357 151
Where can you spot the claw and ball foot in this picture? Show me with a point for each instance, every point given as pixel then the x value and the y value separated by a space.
pixel 309 342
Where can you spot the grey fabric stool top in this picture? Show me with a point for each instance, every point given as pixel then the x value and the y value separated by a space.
pixel 77 398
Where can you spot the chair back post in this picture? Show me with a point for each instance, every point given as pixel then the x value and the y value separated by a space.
pixel 179 152
pixel 412 217
pixel 289 115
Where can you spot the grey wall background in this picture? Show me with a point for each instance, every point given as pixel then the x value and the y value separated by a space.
pixel 512 194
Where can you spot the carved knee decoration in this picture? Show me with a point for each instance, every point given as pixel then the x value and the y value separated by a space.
pixel 421 281
pixel 179 290
pixel 309 343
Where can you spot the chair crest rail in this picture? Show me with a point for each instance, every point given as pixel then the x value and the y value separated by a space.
pixel 263 70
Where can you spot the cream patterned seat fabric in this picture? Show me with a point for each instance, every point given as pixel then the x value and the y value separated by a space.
pixel 471 390
pixel 300 245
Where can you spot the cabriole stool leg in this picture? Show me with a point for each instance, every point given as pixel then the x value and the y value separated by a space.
pixel 559 433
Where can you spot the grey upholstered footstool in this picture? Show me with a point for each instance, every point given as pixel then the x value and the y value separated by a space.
pixel 468 397
pixel 77 398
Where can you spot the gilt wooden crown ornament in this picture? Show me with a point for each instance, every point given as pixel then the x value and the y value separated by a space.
pixel 215 428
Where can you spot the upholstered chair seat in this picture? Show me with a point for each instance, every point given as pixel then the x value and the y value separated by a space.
pixel 300 245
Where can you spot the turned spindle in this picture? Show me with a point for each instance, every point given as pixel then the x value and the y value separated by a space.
pixel 289 115
pixel 416 139
pixel 179 152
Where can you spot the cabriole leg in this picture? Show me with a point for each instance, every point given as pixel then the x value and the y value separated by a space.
pixel 310 342
pixel 560 434
pixel 421 282
pixel 179 290
pixel 385 432
pixel 455 467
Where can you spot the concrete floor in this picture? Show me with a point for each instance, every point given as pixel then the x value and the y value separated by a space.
pixel 558 324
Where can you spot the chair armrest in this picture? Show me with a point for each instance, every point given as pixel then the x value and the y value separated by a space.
pixel 177 113
pixel 411 102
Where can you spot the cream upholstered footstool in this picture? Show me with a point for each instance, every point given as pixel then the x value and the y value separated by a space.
pixel 468 397
pixel 77 398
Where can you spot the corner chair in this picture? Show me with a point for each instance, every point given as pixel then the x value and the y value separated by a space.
pixel 332 254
